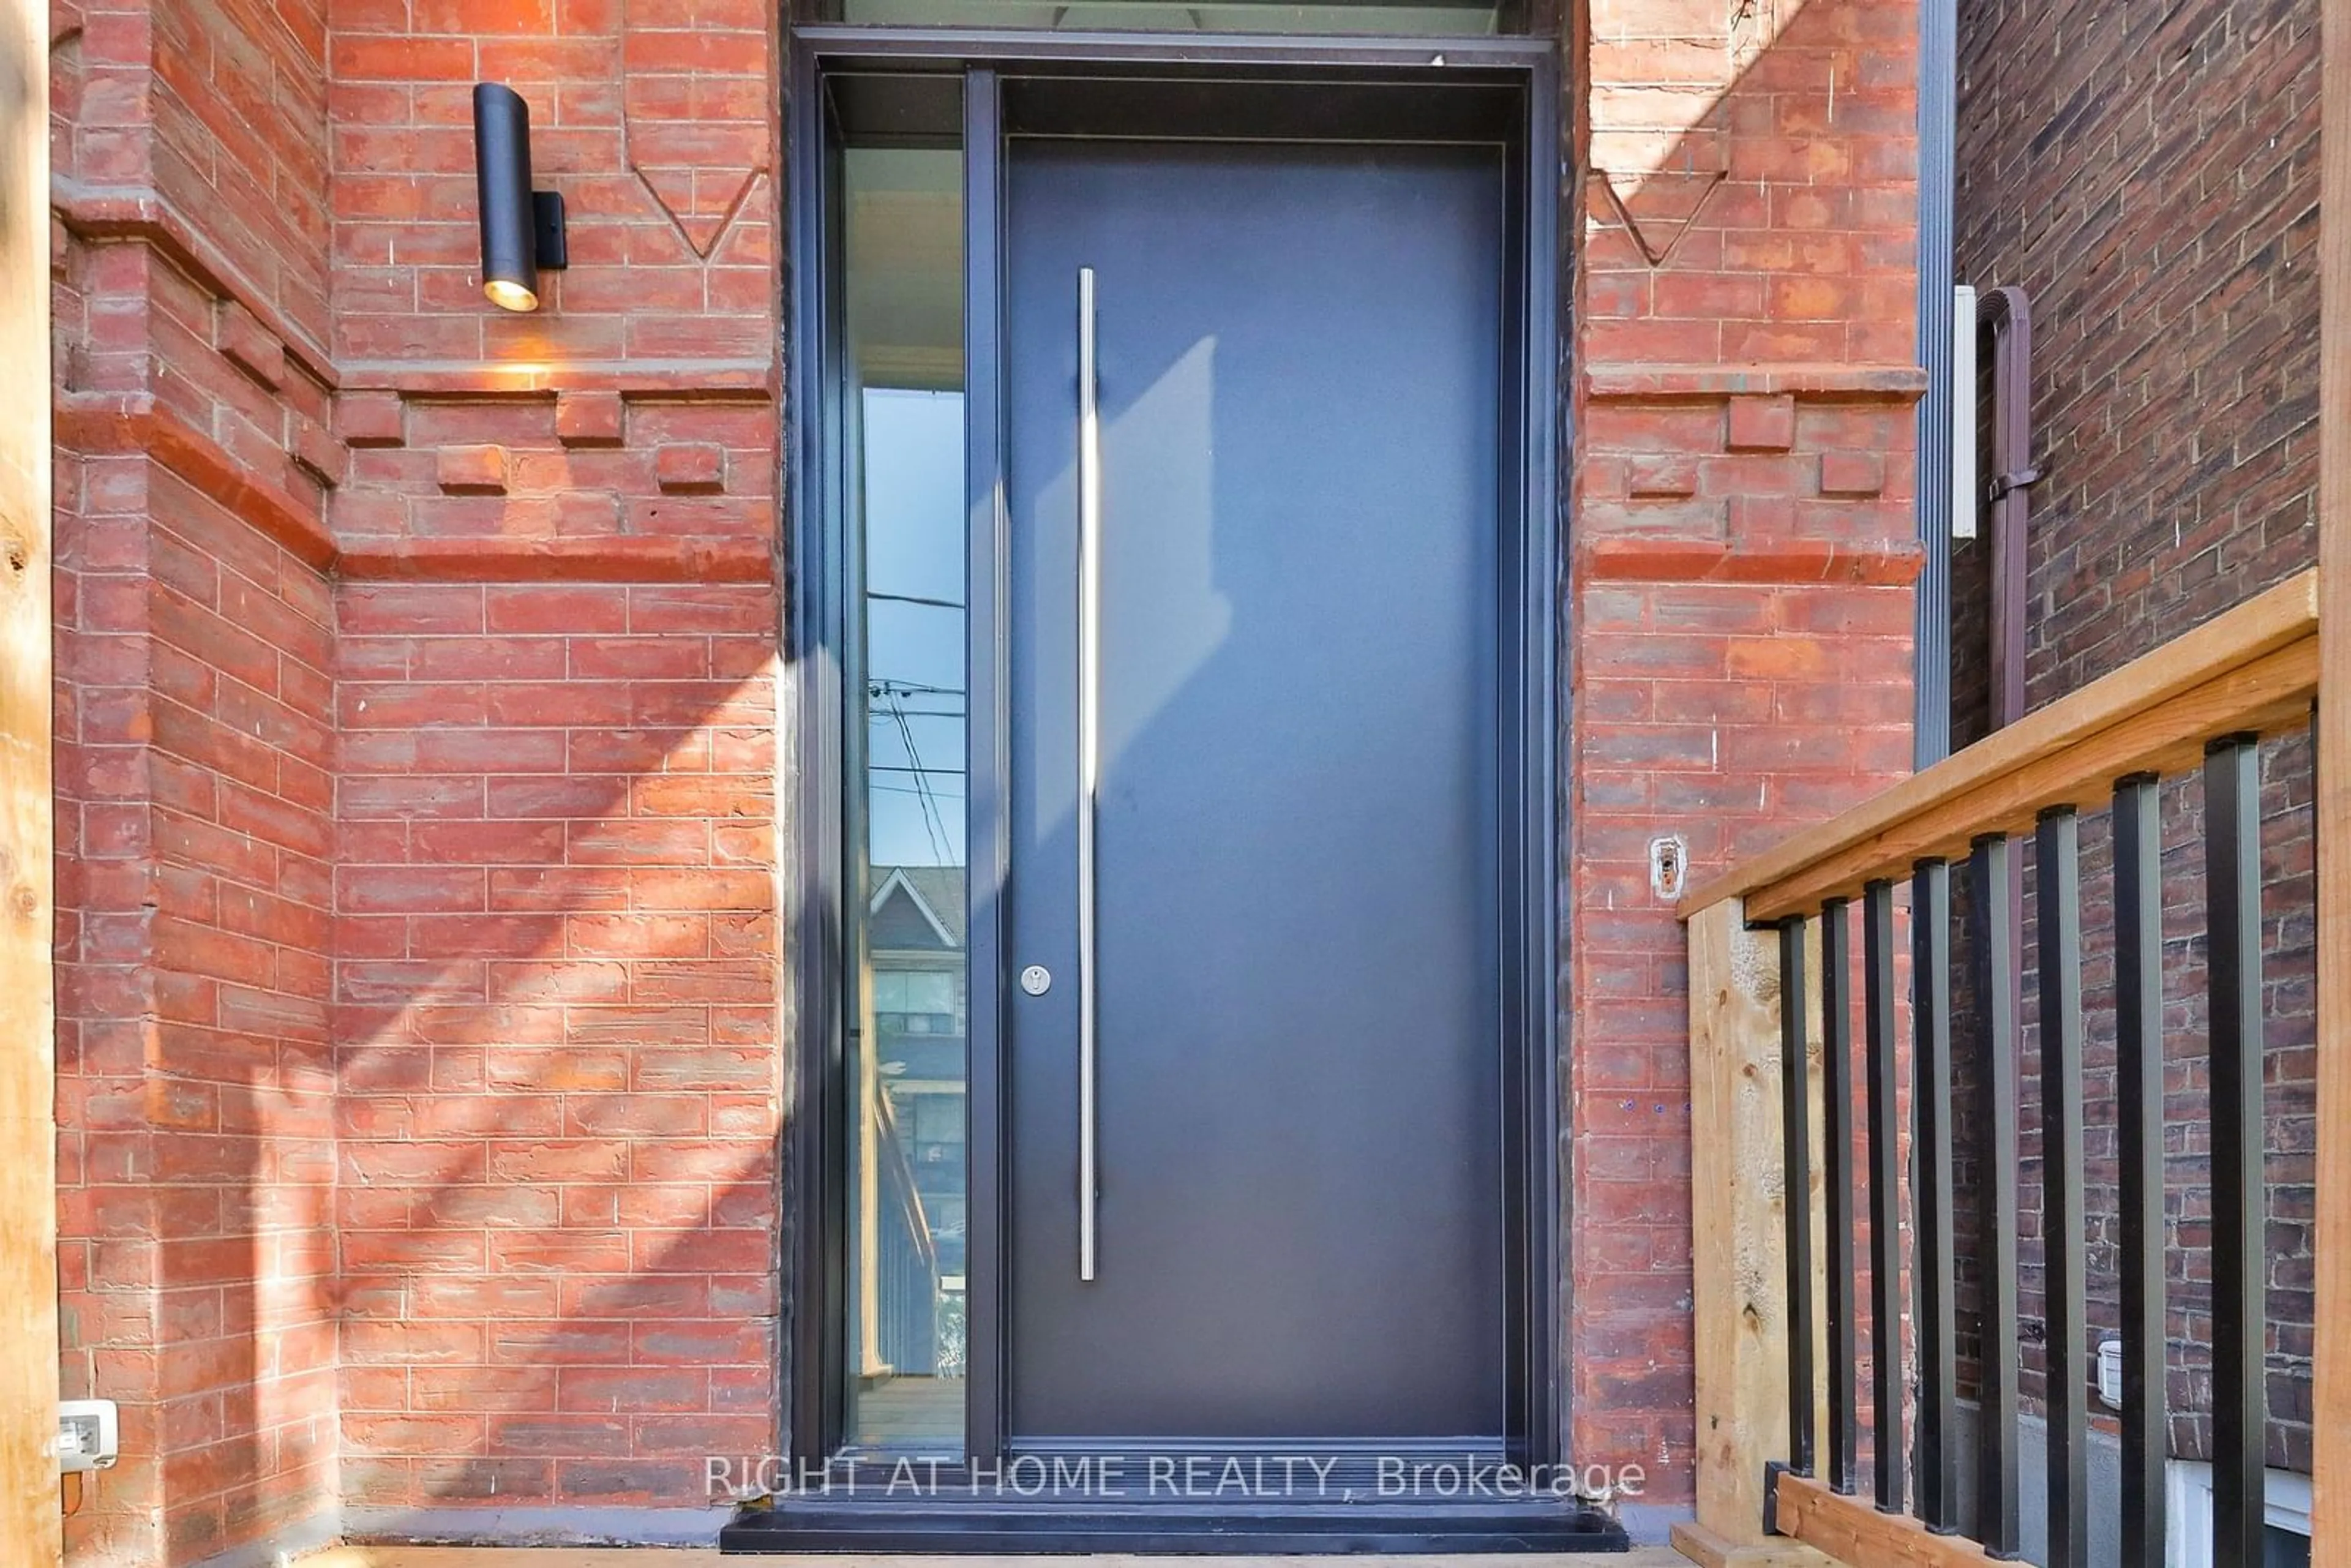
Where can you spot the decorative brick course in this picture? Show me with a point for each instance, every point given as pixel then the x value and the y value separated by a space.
pixel 375 418
pixel 250 346
pixel 590 419
pixel 471 470
pixel 315 449
pixel 1852 475
pixel 691 468
pixel 1761 424
pixel 1661 477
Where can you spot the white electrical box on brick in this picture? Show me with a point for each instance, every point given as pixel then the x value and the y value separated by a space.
pixel 2110 1374
pixel 89 1435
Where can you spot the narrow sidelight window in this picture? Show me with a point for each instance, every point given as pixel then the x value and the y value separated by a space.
pixel 901 480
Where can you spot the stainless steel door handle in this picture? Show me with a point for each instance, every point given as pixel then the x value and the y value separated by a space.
pixel 1089 752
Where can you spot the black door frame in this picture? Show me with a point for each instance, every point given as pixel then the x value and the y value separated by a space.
pixel 1533 874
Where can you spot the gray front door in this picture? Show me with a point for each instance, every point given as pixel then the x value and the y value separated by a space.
pixel 1297 950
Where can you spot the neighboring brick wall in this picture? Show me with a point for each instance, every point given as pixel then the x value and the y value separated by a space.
pixel 1741 538
pixel 2149 176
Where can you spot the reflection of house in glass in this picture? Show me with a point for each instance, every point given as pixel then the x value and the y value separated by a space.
pixel 915 942
pixel 917 1005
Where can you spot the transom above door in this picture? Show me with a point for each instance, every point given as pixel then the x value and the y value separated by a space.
pixel 1177 517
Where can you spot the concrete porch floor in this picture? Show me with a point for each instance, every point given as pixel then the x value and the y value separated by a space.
pixel 708 1557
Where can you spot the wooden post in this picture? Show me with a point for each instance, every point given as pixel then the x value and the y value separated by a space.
pixel 2331 1399
pixel 30 1531
pixel 1738 1255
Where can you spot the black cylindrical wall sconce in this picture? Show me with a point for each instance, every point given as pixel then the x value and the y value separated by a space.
pixel 522 229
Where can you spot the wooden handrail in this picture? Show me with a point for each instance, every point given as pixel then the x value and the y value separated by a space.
pixel 2254 669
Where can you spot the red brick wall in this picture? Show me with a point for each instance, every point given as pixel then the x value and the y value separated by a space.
pixel 559 974
pixel 444 796
pixel 655 119
pixel 1741 633
pixel 241 1086
pixel 194 729
pixel 558 980
pixel 2168 253
pixel 420 1060
pixel 214 113
pixel 195 1077
pixel 239 143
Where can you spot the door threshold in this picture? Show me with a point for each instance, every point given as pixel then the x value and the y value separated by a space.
pixel 989 1526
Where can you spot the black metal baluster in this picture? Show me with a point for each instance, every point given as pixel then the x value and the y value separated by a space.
pixel 1931 983
pixel 1991 940
pixel 1884 1192
pixel 2232 855
pixel 1796 1196
pixel 2138 1094
pixel 1836 1171
pixel 2057 878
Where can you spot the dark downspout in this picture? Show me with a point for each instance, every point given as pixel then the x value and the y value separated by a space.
pixel 2009 314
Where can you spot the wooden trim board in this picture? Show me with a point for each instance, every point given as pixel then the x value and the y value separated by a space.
pixel 1738 1263
pixel 1739 1259
pixel 1852 1531
pixel 31 1533
pixel 1707 1549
